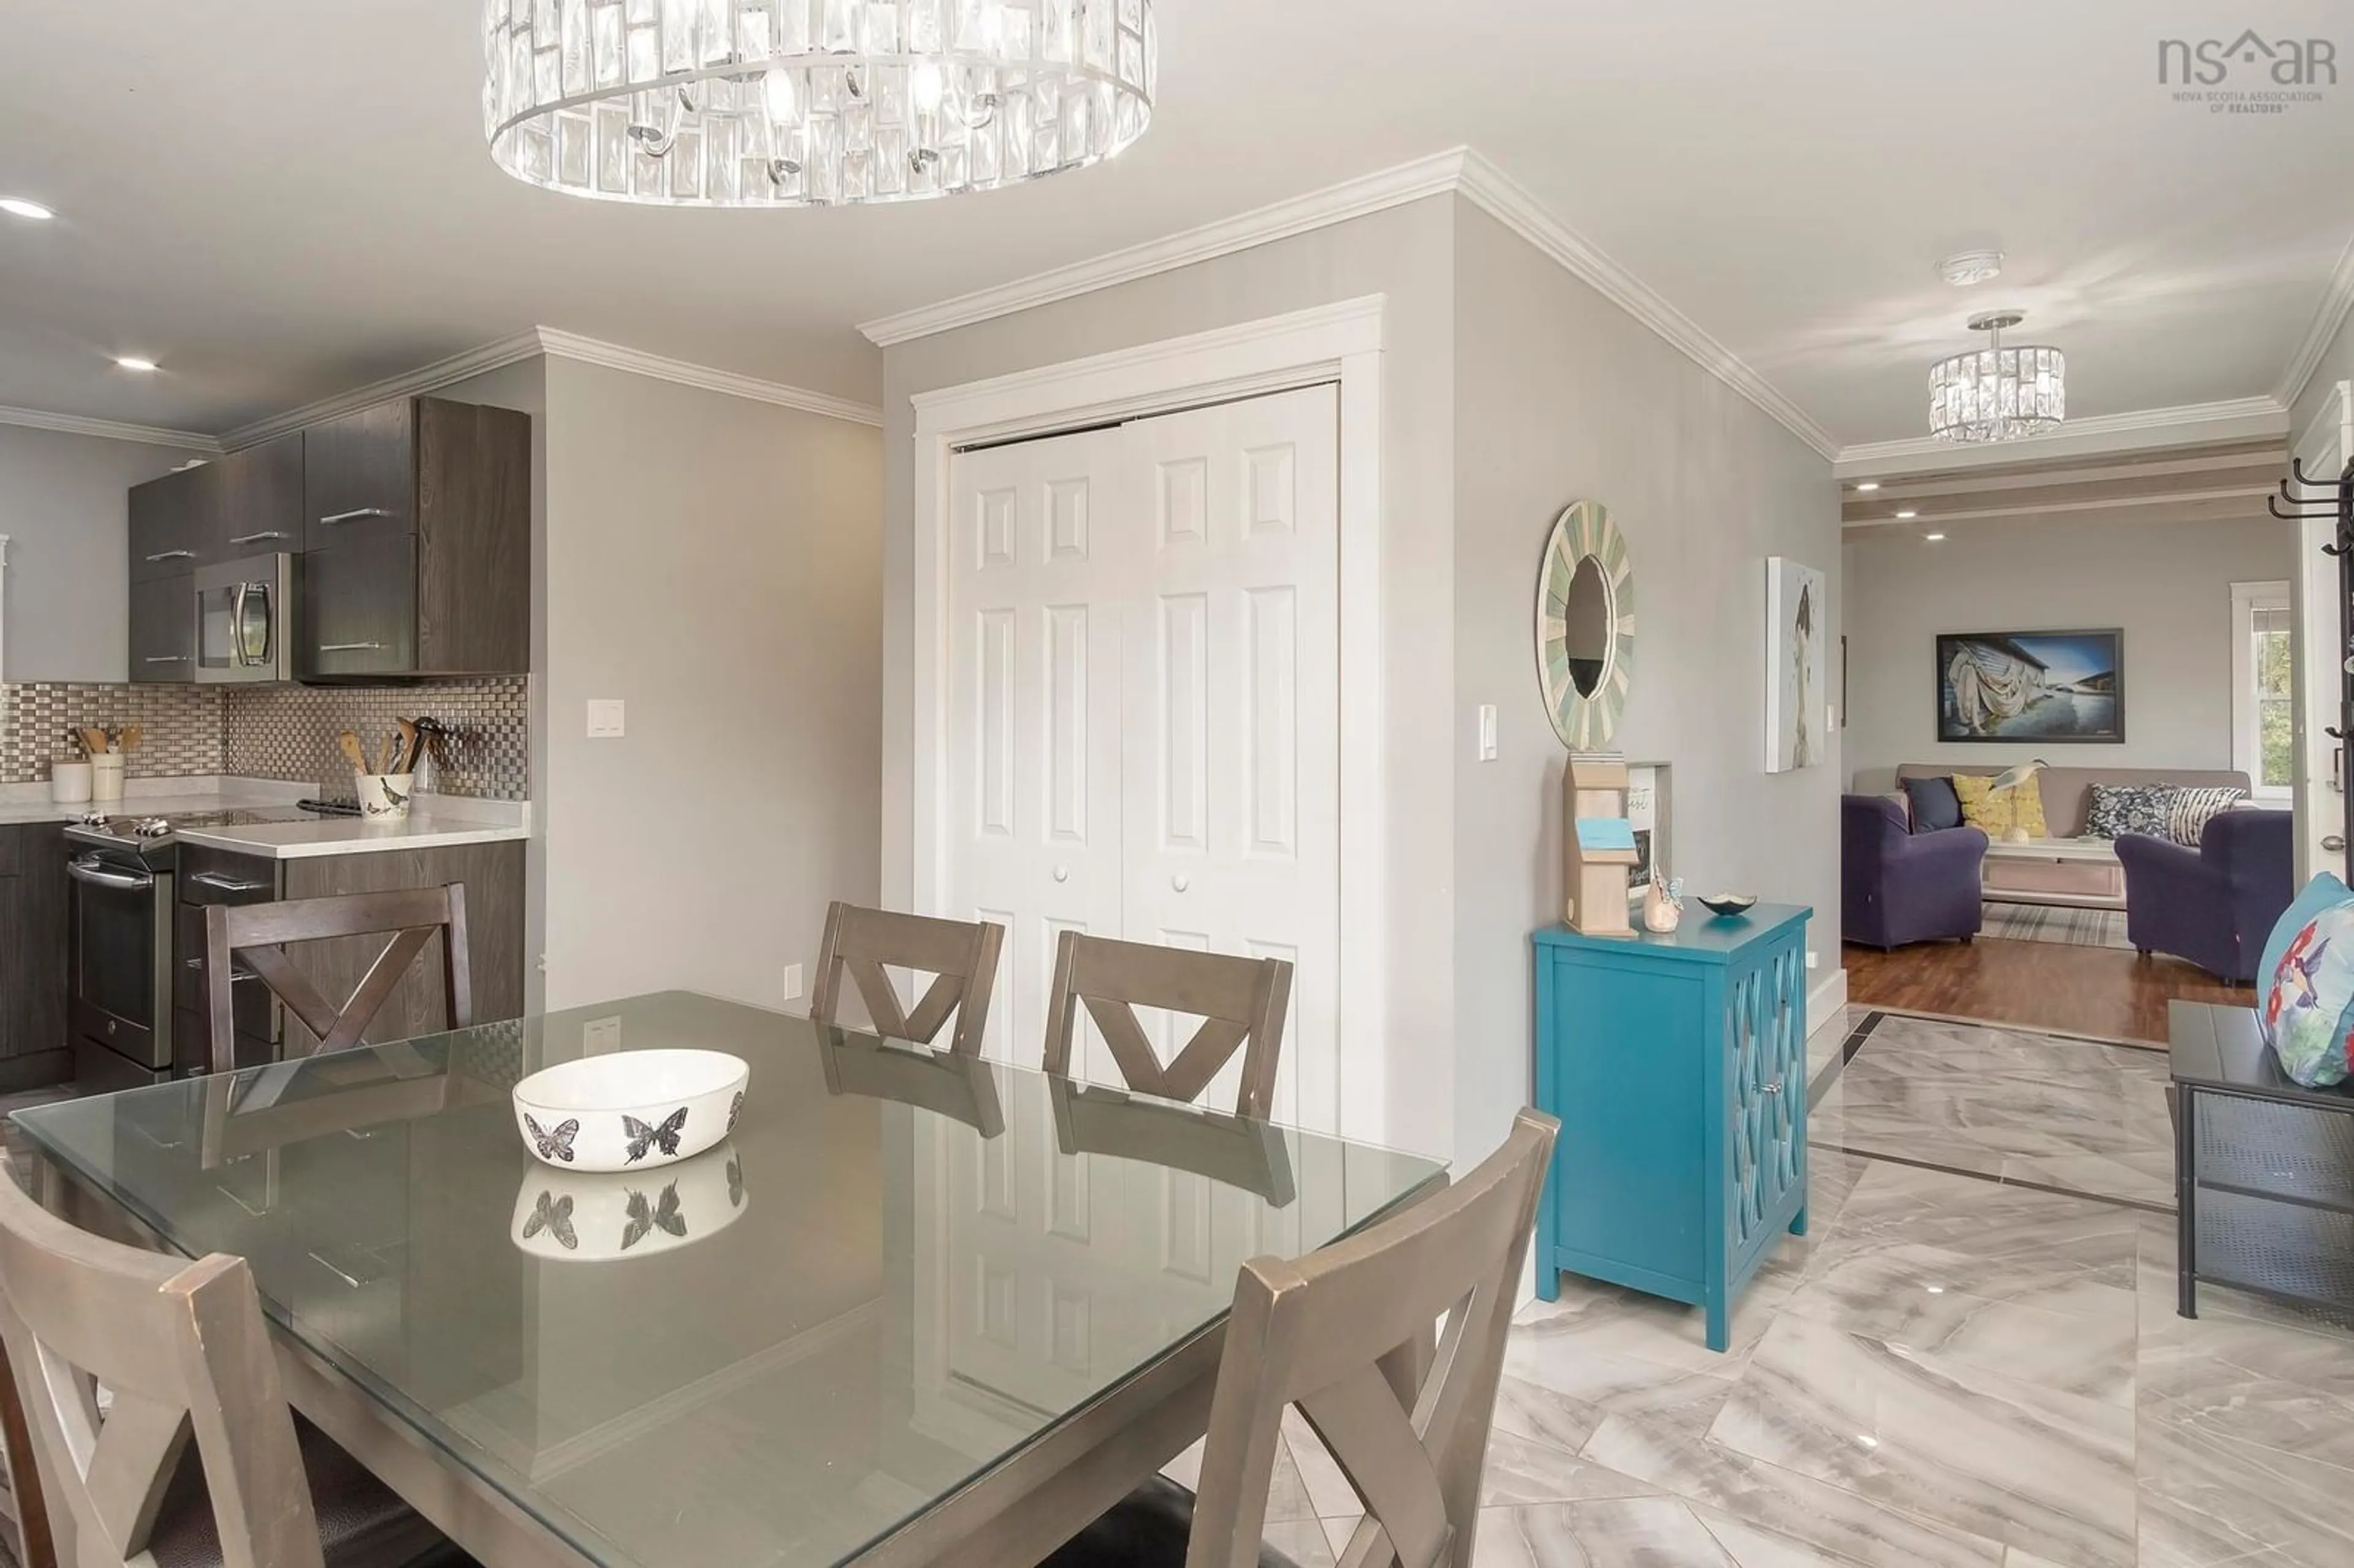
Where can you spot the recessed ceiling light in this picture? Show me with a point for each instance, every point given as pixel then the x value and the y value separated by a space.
pixel 1932 538
pixel 1970 267
pixel 133 361
pixel 1906 516
pixel 17 207
pixel 1868 484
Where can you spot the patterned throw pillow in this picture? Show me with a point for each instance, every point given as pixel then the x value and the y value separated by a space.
pixel 2187 814
pixel 2309 990
pixel 1983 807
pixel 2120 809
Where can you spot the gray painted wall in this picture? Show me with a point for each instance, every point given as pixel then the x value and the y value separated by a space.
pixel 1407 254
pixel 715 563
pixel 2167 585
pixel 62 507
pixel 1563 397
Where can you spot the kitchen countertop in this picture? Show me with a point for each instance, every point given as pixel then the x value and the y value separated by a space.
pixel 436 822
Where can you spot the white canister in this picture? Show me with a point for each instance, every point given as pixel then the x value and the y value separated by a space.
pixel 68 782
pixel 384 796
pixel 106 776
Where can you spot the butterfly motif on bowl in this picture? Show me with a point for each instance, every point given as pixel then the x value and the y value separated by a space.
pixel 735 1110
pixel 643 1137
pixel 646 1218
pixel 557 1145
pixel 554 1215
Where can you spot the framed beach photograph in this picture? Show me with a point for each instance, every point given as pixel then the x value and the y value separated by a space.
pixel 2064 687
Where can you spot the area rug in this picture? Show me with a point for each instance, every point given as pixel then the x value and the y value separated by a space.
pixel 2051 923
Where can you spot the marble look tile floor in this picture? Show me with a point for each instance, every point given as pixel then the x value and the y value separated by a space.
pixel 1951 1371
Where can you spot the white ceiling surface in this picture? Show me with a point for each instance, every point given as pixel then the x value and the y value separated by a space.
pixel 281 199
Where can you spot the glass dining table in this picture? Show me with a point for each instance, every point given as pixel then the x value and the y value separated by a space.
pixel 917 1309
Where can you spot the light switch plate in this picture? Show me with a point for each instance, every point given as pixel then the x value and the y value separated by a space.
pixel 1811 956
pixel 1487 732
pixel 793 981
pixel 602 1036
pixel 604 719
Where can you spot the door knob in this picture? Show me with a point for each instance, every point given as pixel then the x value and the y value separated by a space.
pixel 2335 843
pixel 1062 874
pixel 1180 883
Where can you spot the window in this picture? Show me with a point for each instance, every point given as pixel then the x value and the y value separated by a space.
pixel 2264 729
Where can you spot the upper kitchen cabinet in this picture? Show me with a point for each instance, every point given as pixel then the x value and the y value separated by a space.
pixel 417 541
pixel 256 503
pixel 172 519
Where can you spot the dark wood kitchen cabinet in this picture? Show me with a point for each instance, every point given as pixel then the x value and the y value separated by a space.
pixel 247 503
pixel 164 629
pixel 172 519
pixel 33 1048
pixel 256 503
pixel 493 875
pixel 417 541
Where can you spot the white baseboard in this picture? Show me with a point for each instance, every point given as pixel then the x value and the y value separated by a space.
pixel 1829 994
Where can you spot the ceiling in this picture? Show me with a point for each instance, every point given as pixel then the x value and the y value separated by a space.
pixel 2213 482
pixel 285 207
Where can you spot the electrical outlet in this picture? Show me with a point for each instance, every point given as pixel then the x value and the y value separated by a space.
pixel 602 1036
pixel 793 981
pixel 605 718
pixel 1487 732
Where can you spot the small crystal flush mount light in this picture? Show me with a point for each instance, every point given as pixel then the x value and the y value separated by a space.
pixel 811 103
pixel 1970 266
pixel 1997 393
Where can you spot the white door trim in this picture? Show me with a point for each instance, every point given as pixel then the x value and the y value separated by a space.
pixel 1342 342
pixel 2324 445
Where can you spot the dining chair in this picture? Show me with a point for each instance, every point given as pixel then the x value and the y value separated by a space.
pixel 183 1354
pixel 960 955
pixel 1241 1002
pixel 1340 1333
pixel 259 933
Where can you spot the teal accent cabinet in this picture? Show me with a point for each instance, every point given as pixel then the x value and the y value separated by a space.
pixel 1678 1066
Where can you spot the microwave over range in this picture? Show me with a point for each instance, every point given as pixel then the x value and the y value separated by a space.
pixel 245 612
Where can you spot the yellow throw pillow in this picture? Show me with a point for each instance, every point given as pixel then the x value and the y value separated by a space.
pixel 1997 813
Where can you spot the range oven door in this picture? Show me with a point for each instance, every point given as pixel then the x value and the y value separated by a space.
pixel 245 620
pixel 120 959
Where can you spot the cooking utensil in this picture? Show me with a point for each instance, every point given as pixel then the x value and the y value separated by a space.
pixel 93 740
pixel 354 752
pixel 130 738
pixel 406 761
pixel 391 754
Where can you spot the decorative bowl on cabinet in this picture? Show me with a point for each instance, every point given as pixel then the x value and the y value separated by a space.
pixel 1725 905
pixel 631 1110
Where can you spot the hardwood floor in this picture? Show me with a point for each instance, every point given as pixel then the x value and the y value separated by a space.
pixel 2103 991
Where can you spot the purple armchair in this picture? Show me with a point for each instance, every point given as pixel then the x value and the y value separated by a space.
pixel 2214 905
pixel 1899 886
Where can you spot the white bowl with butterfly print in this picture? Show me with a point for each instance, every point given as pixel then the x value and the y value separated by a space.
pixel 592 1216
pixel 631 1110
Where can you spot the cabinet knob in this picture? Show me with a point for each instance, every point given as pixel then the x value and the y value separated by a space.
pixel 1180 883
pixel 1062 874
pixel 1773 1088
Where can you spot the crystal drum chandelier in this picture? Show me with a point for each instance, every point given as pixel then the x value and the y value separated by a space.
pixel 811 103
pixel 1997 393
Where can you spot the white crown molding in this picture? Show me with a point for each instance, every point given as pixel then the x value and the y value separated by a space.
pixel 110 429
pixel 2238 419
pixel 426 378
pixel 1501 198
pixel 2336 300
pixel 613 357
pixel 537 341
pixel 1434 175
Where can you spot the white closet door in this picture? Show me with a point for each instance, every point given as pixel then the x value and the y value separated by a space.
pixel 1034 829
pixel 1231 780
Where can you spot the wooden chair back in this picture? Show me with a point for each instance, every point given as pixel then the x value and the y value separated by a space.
pixel 259 933
pixel 957 1084
pixel 1242 1003
pixel 183 1351
pixel 1342 1333
pixel 960 956
pixel 1238 1151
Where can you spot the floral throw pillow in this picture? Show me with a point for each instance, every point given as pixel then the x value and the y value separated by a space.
pixel 2187 814
pixel 2309 997
pixel 2119 809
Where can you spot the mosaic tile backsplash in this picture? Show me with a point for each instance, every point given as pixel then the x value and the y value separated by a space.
pixel 275 732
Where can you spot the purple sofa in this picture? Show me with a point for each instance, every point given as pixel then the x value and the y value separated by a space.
pixel 1897 886
pixel 2214 905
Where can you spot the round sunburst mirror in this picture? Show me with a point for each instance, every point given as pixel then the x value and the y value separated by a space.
pixel 1586 626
